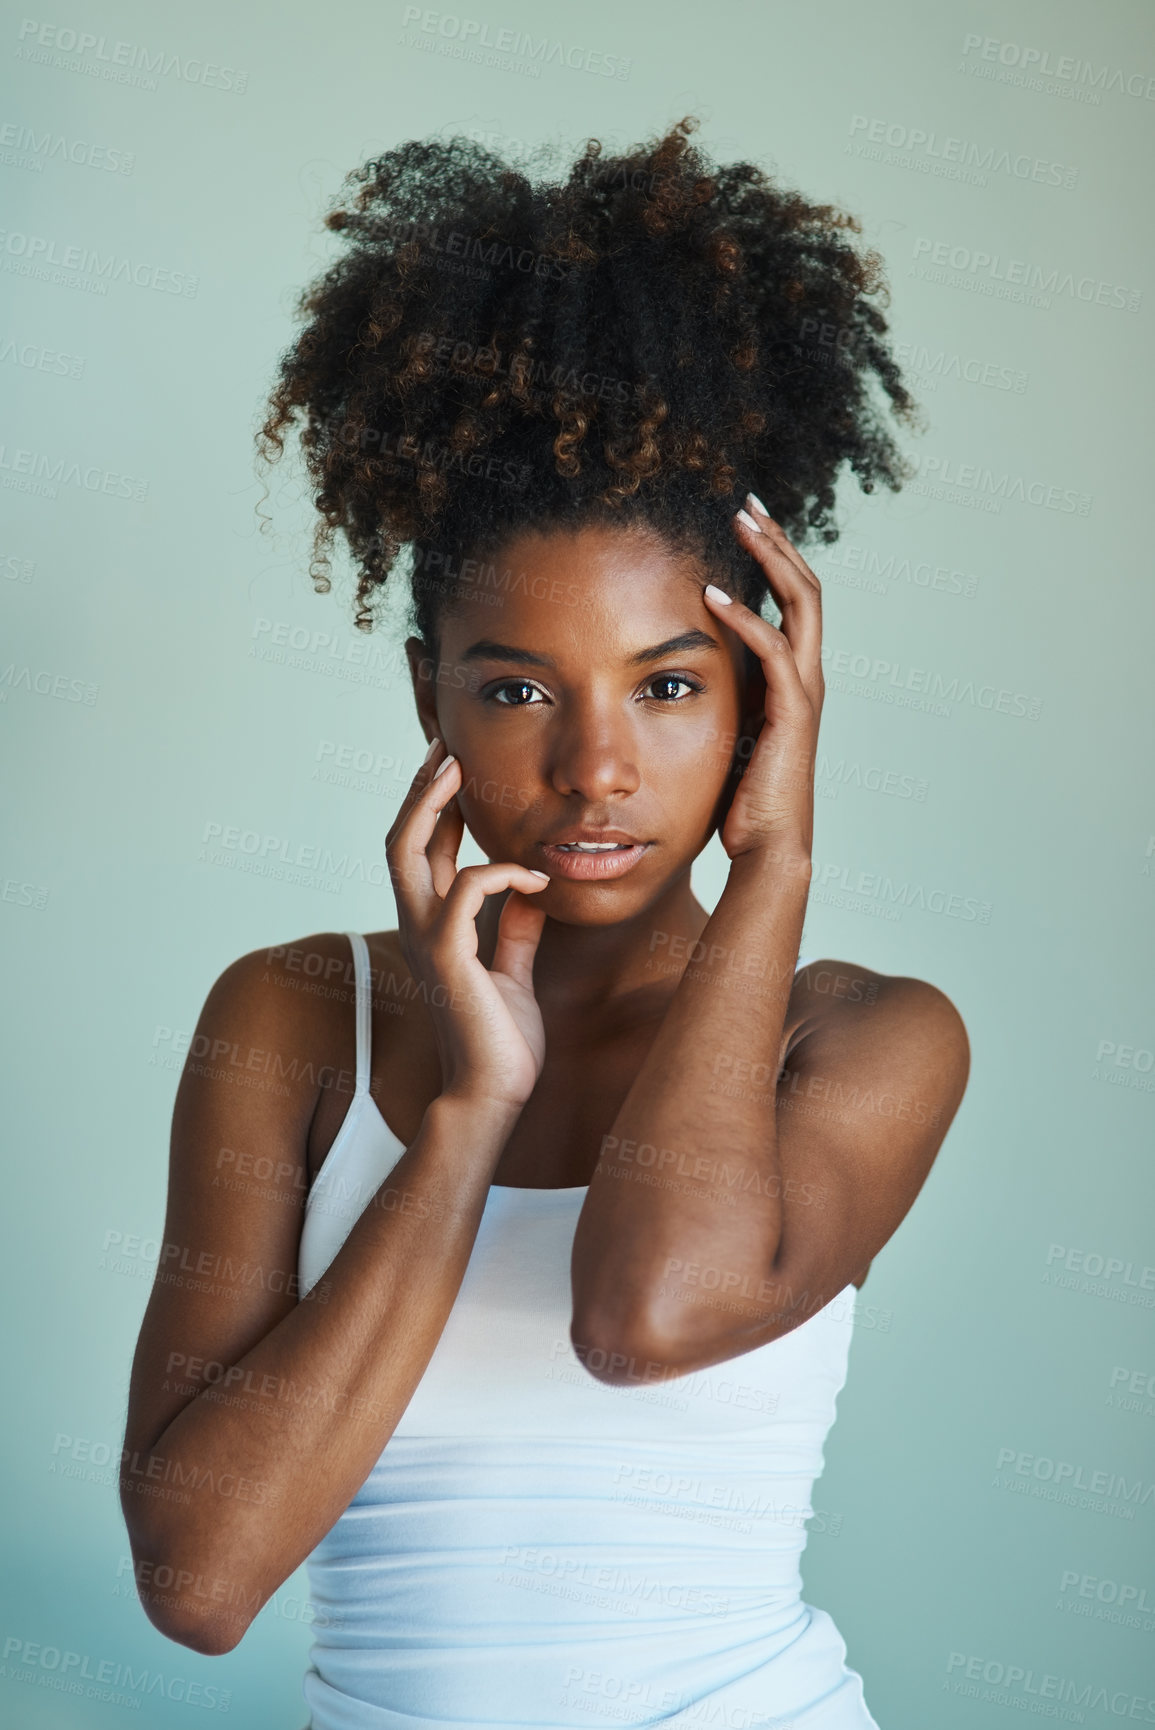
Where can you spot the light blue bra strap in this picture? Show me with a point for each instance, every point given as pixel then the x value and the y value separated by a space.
pixel 364 1008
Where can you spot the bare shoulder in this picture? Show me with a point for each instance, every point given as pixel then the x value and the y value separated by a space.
pixel 238 1173
pixel 310 982
pixel 285 1016
pixel 887 1053
pixel 304 993
pixel 886 1057
pixel 875 1070
pixel 863 1004
pixel 288 985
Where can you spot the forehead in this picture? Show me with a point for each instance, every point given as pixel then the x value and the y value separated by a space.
pixel 563 589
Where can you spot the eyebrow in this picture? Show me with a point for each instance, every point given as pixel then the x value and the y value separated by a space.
pixel 486 649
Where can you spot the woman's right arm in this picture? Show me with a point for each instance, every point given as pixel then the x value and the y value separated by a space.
pixel 254 1418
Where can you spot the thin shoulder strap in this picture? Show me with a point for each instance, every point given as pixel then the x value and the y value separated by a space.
pixel 364 1008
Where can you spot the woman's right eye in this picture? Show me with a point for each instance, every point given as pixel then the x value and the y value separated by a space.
pixel 495 695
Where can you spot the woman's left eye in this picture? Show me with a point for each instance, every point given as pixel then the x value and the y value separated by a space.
pixel 673 679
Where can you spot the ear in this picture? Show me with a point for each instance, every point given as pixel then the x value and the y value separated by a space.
pixel 422 672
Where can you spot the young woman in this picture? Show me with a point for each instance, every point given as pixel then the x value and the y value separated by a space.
pixel 510 1257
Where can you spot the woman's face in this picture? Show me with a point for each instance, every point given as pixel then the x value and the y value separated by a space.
pixel 582 684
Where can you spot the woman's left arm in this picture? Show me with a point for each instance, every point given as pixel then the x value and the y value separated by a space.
pixel 729 1205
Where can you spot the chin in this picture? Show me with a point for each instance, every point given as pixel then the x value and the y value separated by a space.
pixel 605 904
pixel 597 912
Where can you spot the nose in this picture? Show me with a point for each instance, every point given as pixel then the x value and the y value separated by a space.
pixel 593 754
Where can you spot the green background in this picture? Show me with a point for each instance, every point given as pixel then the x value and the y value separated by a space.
pixel 940 1564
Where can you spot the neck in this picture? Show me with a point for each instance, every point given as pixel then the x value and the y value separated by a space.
pixel 581 969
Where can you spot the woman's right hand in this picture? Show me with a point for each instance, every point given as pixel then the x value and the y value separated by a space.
pixel 490 1034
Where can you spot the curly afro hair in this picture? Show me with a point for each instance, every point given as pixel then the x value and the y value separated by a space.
pixel 641 344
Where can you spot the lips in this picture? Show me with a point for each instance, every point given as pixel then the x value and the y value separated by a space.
pixel 596 838
pixel 592 855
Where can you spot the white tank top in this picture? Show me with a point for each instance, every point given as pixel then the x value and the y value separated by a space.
pixel 536 1548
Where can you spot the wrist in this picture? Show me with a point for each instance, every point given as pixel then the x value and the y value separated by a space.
pixel 482 1115
pixel 784 859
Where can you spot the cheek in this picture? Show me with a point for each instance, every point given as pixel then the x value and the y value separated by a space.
pixel 492 804
pixel 701 755
pixel 497 773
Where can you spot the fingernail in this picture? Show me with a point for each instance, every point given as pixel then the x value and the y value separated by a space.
pixel 717 594
pixel 442 768
pixel 433 744
pixel 745 517
pixel 535 873
pixel 753 499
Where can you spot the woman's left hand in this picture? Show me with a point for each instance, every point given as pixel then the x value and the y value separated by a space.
pixel 773 803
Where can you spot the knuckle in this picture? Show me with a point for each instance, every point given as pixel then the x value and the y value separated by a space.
pixel 463 884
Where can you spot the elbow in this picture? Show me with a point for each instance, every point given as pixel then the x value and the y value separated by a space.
pixel 204 1625
pixel 201 1605
pixel 623 1356
pixel 208 1634
pixel 649 1350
